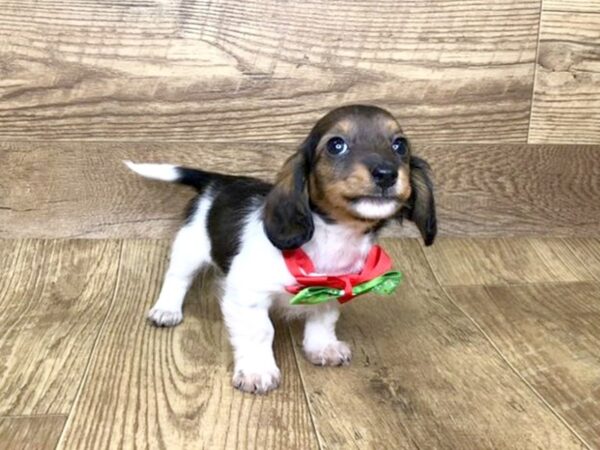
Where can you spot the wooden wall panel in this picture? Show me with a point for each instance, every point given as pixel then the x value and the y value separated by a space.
pixel 262 69
pixel 505 190
pixel 83 189
pixel 571 5
pixel 566 102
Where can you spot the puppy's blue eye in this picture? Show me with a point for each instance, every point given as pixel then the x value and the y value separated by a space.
pixel 400 146
pixel 337 146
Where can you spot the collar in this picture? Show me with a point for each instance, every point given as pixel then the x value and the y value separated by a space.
pixel 314 288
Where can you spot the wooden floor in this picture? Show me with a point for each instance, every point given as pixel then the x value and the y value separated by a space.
pixel 490 343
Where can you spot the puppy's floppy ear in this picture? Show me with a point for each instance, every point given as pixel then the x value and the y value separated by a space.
pixel 420 207
pixel 287 216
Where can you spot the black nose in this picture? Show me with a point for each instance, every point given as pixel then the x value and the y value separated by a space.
pixel 385 175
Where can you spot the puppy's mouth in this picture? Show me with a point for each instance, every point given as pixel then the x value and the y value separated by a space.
pixel 375 207
pixel 372 198
pixel 380 196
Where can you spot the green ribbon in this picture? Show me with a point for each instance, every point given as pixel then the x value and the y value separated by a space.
pixel 385 284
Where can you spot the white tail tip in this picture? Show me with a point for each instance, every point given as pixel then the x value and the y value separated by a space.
pixel 163 172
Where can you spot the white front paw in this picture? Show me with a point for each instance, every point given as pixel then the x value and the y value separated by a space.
pixel 164 317
pixel 255 380
pixel 335 353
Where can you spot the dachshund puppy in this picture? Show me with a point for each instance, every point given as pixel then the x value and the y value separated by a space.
pixel 352 174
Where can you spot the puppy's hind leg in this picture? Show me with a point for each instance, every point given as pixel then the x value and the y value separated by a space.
pixel 190 252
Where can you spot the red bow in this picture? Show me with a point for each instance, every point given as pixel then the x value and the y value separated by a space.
pixel 301 267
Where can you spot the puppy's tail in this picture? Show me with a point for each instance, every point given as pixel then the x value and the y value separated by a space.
pixel 197 179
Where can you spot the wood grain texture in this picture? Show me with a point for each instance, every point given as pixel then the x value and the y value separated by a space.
pixel 504 261
pixel 423 376
pixel 566 101
pixel 31 433
pixel 571 5
pixel 551 334
pixel 54 296
pixel 171 388
pixel 588 252
pixel 262 69
pixel 81 189
pixel 509 190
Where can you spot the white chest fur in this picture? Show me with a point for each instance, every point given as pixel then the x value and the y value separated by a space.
pixel 336 249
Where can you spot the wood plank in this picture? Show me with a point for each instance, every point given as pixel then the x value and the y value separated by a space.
pixel 28 433
pixel 509 190
pixel 423 376
pixel 588 252
pixel 566 101
pixel 54 296
pixel 572 5
pixel 263 70
pixel 171 388
pixel 551 335
pixel 76 189
pixel 504 261
pixel 84 190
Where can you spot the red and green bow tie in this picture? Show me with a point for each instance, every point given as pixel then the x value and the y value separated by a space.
pixel 312 288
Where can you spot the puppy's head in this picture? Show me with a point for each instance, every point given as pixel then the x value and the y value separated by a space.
pixel 355 168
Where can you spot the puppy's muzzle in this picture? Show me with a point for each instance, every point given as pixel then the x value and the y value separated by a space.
pixel 384 175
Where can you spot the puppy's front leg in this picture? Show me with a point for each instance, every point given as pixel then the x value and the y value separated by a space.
pixel 321 345
pixel 251 333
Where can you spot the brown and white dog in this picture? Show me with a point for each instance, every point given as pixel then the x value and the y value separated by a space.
pixel 352 175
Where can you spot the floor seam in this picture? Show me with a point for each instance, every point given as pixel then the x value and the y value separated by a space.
pixel 505 359
pixel 517 285
pixel 581 261
pixel 93 350
pixel 303 384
